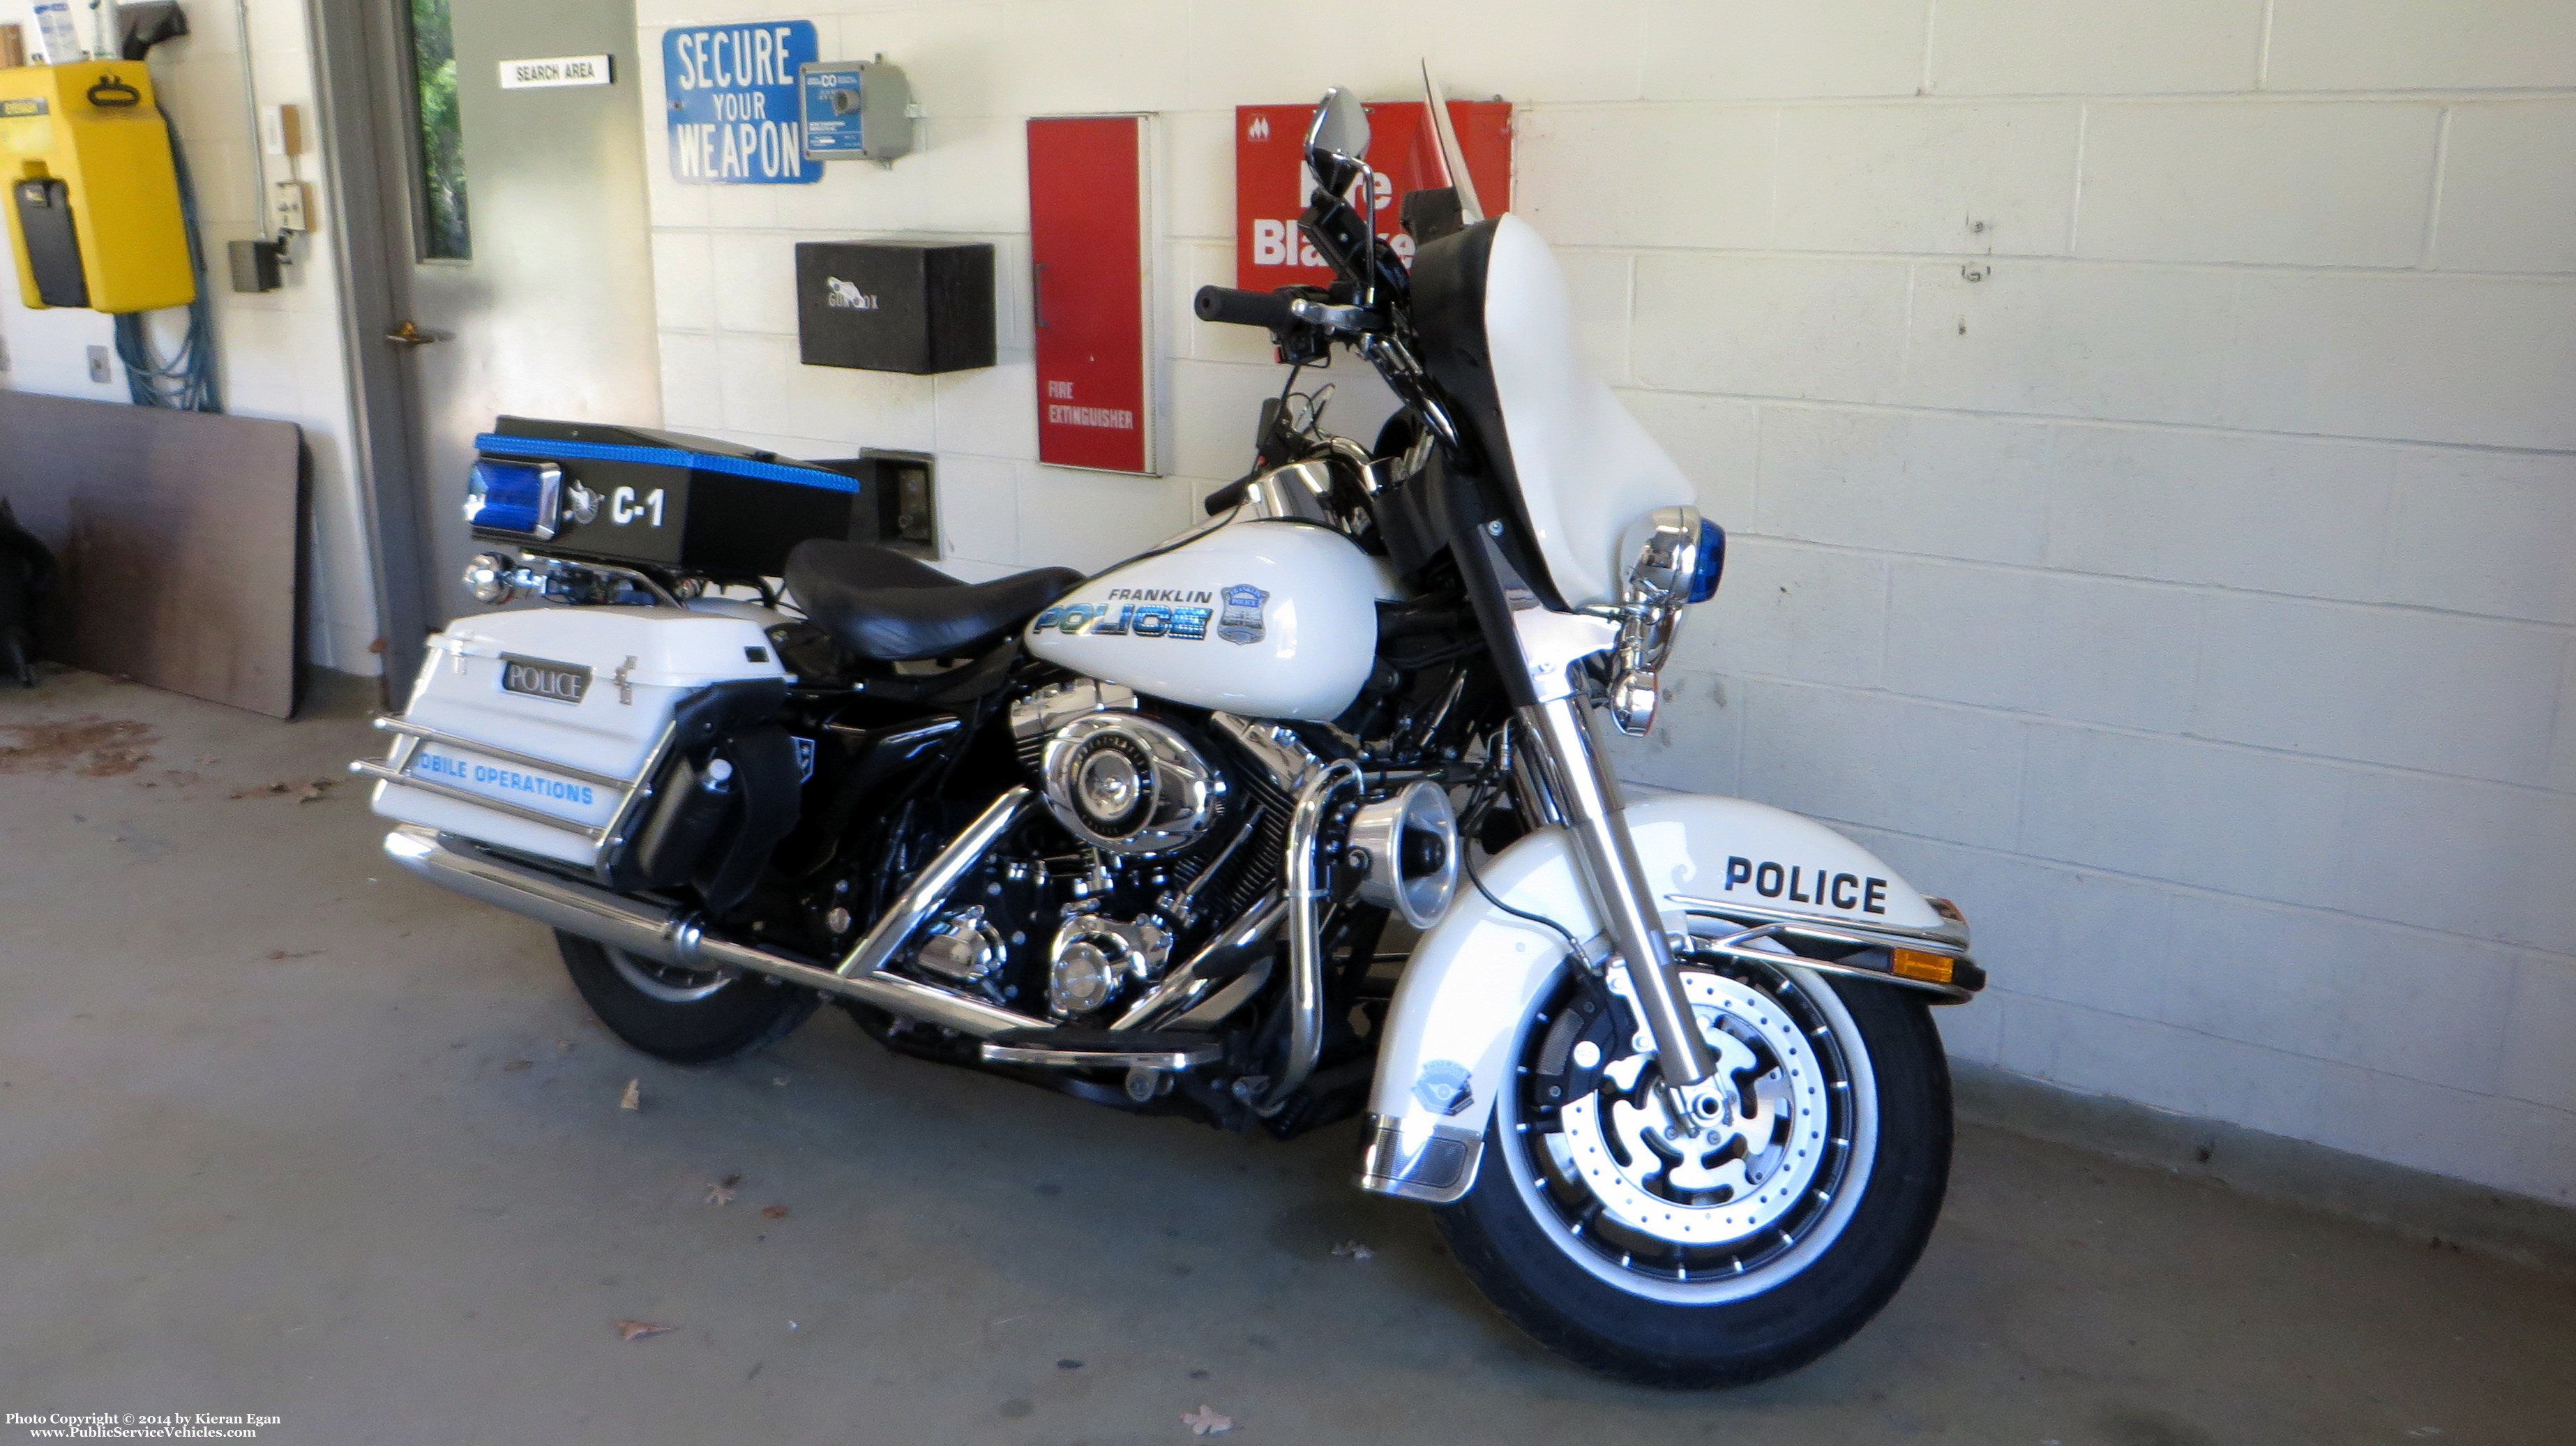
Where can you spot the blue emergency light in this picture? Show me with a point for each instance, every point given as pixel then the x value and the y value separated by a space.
pixel 1710 563
pixel 513 497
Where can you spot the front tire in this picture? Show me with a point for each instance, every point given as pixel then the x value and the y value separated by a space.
pixel 1638 1257
pixel 684 1016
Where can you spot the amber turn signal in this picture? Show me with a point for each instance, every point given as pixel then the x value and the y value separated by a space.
pixel 1915 964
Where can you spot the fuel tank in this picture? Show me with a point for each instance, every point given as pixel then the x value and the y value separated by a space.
pixel 1268 619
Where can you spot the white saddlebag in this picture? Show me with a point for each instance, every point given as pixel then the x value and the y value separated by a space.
pixel 542 730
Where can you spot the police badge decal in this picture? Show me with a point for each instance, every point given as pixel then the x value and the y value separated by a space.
pixel 1241 620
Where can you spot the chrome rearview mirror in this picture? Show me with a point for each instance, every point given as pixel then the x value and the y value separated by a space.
pixel 1338 141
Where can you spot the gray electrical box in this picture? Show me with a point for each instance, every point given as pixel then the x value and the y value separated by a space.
pixel 854 110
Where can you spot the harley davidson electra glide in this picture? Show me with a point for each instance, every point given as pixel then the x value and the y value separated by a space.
pixel 1297 816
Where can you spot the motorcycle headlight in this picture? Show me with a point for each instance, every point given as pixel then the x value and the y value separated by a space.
pixel 1662 549
pixel 512 497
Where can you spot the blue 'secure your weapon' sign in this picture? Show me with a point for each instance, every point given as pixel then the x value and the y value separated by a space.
pixel 732 95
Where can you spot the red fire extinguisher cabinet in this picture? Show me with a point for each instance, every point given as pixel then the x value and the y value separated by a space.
pixel 1091 285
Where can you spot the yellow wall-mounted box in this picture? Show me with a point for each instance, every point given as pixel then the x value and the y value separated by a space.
pixel 92 194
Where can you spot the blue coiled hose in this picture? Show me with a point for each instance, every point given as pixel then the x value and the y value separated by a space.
pixel 186 382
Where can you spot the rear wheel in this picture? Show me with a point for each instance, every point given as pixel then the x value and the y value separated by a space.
pixel 1717 1236
pixel 687 1016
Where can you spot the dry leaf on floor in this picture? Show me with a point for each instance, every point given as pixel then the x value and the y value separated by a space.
pixel 1206 1422
pixel 773 1212
pixel 719 1193
pixel 314 791
pixel 292 953
pixel 633 1099
pixel 1353 1250
pixel 636 1330
pixel 206 758
pixel 516 1065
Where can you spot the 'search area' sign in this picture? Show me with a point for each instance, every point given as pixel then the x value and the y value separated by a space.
pixel 731 94
pixel 555 71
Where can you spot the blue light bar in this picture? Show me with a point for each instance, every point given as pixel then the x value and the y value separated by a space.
pixel 1711 561
pixel 512 497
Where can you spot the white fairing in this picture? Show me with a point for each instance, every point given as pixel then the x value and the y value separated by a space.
pixel 1587 469
pixel 1476 976
pixel 1265 619
pixel 660 655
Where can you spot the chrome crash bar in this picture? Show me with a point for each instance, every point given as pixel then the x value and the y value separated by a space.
pixel 1749 925
pixel 1305 942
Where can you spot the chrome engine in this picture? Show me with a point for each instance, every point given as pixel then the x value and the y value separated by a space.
pixel 1094 959
pixel 963 948
pixel 1179 827
pixel 1131 784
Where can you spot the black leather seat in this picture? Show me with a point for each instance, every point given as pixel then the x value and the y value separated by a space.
pixel 881 605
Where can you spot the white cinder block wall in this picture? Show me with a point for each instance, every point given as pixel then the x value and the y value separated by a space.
pixel 2148 434
pixel 279 354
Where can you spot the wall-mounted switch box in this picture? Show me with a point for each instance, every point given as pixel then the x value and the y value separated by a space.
pixel 895 306
pixel 291 210
pixel 98 366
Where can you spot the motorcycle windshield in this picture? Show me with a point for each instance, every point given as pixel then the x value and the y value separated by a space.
pixel 1570 468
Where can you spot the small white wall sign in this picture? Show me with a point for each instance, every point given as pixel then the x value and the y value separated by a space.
pixel 554 71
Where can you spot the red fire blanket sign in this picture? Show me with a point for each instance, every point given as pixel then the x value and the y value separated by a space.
pixel 1271 182
pixel 1089 273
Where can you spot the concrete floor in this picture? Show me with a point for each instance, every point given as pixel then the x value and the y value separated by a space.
pixel 283 1133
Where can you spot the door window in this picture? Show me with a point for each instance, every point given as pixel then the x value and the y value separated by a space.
pixel 444 234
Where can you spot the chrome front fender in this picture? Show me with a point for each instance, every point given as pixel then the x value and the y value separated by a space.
pixel 1473 981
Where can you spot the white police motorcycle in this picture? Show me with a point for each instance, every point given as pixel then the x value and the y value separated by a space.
pixel 1296 817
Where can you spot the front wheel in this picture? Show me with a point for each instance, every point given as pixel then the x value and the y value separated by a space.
pixel 1718 1236
pixel 686 1016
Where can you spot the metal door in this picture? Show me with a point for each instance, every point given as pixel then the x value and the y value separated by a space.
pixel 512 270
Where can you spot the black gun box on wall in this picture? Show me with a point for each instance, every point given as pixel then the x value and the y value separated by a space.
pixel 895 306
pixel 639 495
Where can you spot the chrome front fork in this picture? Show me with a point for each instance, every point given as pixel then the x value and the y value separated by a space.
pixel 1587 793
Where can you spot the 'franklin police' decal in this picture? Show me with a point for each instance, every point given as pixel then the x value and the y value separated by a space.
pixel 1134 612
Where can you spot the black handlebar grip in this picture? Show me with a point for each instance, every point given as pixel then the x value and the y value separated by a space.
pixel 1223 499
pixel 1243 308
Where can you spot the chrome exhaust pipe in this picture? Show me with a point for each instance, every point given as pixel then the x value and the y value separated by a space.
pixel 669 935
